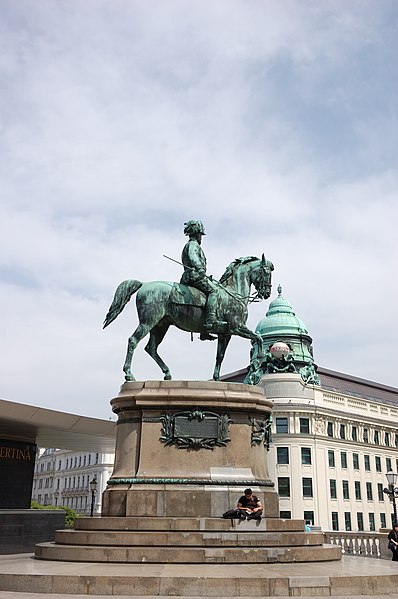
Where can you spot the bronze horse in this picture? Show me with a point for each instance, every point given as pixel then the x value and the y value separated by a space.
pixel 161 304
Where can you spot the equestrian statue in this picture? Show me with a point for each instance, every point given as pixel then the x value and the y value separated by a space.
pixel 198 304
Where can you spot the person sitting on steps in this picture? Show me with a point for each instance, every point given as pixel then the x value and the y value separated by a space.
pixel 249 506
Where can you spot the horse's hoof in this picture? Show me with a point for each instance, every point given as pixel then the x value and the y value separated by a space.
pixel 167 377
pixel 129 378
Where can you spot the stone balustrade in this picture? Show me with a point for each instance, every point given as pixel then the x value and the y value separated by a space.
pixel 363 544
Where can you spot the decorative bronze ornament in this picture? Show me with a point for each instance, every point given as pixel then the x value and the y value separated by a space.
pixel 196 429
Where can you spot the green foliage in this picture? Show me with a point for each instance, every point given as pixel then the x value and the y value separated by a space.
pixel 70 515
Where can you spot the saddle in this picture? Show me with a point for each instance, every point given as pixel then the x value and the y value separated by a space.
pixel 183 295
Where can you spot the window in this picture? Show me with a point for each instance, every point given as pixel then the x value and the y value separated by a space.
pixel 89 459
pixel 76 462
pixel 285 515
pixel 282 455
pixel 58 481
pixel 387 439
pixel 346 491
pixel 372 524
pixel 309 518
pixel 306 455
pixel 331 458
pixel 59 465
pixel 380 493
pixel 378 463
pixel 360 520
pixel 96 458
pixel 330 429
pixel 347 520
pixel 333 489
pixel 74 482
pixel 383 521
pixel 354 438
pixel 284 486
pixel 355 461
pixel 377 438
pixel 282 425
pixel 84 460
pixel 41 483
pixel 396 439
pixel 388 464
pixel 342 431
pixel 357 485
pixel 67 463
pixel 335 521
pixel 366 460
pixel 343 459
pixel 396 465
pixel 307 487
pixel 80 460
pixel 304 426
pixel 365 436
pixel 369 492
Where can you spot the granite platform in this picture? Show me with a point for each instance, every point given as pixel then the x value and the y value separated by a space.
pixel 350 576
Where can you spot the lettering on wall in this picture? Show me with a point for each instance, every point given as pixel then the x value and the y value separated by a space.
pixel 14 453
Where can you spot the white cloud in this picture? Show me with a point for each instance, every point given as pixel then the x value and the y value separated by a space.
pixel 121 120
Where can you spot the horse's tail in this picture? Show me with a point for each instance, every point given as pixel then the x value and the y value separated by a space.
pixel 122 295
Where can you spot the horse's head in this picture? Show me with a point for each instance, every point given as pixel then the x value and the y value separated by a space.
pixel 260 277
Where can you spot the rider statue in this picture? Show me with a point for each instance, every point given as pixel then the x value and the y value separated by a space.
pixel 194 261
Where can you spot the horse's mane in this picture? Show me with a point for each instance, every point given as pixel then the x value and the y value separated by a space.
pixel 233 265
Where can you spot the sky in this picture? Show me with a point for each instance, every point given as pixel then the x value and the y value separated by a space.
pixel 274 122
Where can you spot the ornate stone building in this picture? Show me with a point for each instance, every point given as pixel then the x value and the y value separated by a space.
pixel 62 478
pixel 334 435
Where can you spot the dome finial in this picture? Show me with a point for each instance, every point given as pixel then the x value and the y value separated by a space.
pixel 279 290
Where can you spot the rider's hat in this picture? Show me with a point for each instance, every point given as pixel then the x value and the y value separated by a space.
pixel 193 227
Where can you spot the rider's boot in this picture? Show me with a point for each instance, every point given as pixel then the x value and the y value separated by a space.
pixel 213 325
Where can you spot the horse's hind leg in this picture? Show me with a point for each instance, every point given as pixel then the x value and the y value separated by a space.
pixel 139 333
pixel 155 339
pixel 222 345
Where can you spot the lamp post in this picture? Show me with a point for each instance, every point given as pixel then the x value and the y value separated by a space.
pixel 391 491
pixel 93 489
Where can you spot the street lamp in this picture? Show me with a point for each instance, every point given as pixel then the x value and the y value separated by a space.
pixel 93 489
pixel 392 491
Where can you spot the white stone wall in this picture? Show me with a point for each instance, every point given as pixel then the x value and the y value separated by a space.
pixel 293 400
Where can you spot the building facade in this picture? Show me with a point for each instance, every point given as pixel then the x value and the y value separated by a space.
pixel 335 436
pixel 62 478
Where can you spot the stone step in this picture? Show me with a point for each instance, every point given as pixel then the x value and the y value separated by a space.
pixel 181 539
pixel 187 524
pixel 353 576
pixel 187 555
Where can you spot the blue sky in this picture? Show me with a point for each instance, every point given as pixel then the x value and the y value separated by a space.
pixel 273 122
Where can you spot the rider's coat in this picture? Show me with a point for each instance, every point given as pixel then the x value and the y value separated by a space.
pixel 195 264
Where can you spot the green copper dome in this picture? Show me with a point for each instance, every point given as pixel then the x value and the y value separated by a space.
pixel 280 320
pixel 281 326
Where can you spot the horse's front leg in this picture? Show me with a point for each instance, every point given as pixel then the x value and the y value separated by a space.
pixel 246 333
pixel 255 372
pixel 222 345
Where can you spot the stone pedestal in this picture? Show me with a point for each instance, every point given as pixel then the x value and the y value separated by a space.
pixel 188 449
